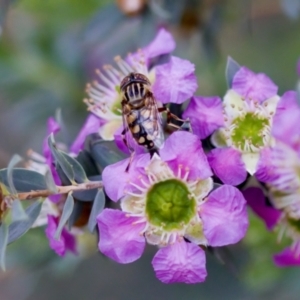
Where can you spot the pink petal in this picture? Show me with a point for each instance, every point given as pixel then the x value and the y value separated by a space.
pixel 286 258
pixel 91 125
pixel 251 85
pixel 286 125
pixel 116 180
pixel 257 201
pixel 175 81
pixel 205 114
pixel 120 239
pixel 121 144
pixel 184 148
pixel 52 126
pixel 163 43
pixel 227 165
pixel 265 168
pixel 180 262
pixel 66 242
pixel 224 215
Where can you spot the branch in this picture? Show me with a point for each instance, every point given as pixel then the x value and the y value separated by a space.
pixel 60 190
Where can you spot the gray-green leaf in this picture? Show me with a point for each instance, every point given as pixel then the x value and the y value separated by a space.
pixel 19 228
pixel 231 68
pixel 17 211
pixel 98 206
pixel 3 244
pixel 24 180
pixel 10 168
pixel 66 213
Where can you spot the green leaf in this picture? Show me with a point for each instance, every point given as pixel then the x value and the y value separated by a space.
pixel 10 168
pixel 59 159
pixel 87 195
pixel 105 153
pixel 79 173
pixel 88 163
pixel 66 213
pixel 24 180
pixel 98 206
pixel 3 244
pixel 231 68
pixel 17 211
pixel 50 182
pixel 19 228
pixel 77 210
pixel 70 166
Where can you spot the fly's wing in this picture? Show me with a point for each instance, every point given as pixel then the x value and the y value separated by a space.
pixel 126 134
pixel 155 120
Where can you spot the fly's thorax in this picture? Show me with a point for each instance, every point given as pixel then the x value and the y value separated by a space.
pixel 135 88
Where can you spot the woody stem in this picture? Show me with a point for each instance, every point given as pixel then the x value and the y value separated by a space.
pixel 60 190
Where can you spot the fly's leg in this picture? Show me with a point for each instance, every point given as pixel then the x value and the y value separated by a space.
pixel 130 161
pixel 186 124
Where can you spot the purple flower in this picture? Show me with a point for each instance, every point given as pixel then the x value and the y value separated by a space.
pixel 177 75
pixel 286 127
pixel 282 220
pixel 241 124
pixel 280 170
pixel 164 201
pixel 66 242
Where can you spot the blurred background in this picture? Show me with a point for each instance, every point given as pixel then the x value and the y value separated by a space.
pixel 50 49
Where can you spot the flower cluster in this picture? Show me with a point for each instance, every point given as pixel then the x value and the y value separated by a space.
pixel 186 195
pixel 281 176
pixel 52 206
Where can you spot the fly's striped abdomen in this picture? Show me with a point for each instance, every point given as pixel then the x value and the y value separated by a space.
pixel 142 127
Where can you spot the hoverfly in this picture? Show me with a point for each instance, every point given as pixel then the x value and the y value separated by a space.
pixel 141 114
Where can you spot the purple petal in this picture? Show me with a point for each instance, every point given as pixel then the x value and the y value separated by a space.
pixel 286 258
pixel 255 86
pixel 184 148
pixel 52 126
pixel 122 146
pixel 205 114
pixel 266 172
pixel 298 67
pixel 257 201
pixel 55 198
pixel 163 43
pixel 116 180
pixel 227 164
pixel 286 125
pixel 175 81
pixel 66 242
pixel 224 215
pixel 91 125
pixel 180 262
pixel 120 239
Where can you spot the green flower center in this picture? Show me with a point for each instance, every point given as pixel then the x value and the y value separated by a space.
pixel 295 224
pixel 249 127
pixel 169 205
